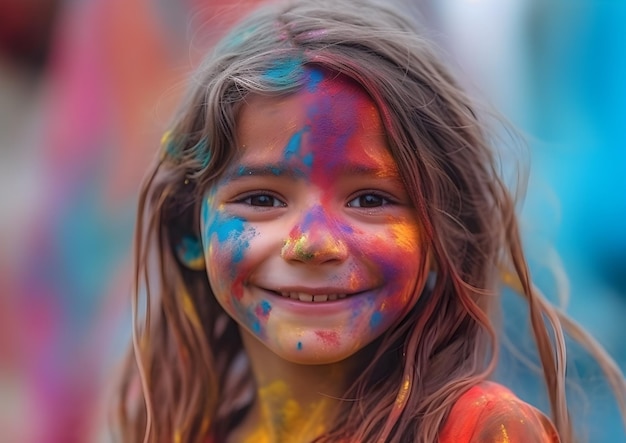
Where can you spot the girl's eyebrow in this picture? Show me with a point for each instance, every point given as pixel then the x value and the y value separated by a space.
pixel 283 169
pixel 272 170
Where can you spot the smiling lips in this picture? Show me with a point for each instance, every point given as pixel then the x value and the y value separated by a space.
pixel 317 298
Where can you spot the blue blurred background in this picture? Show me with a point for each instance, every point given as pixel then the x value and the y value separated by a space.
pixel 87 87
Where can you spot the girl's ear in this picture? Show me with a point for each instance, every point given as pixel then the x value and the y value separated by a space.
pixel 190 253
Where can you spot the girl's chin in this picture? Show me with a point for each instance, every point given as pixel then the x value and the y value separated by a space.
pixel 318 347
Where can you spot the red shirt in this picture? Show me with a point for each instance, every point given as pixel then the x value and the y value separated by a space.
pixel 490 413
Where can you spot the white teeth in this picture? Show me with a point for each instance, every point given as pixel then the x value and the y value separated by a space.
pixel 305 297
pixel 320 298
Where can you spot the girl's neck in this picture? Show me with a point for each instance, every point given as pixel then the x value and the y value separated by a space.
pixel 294 402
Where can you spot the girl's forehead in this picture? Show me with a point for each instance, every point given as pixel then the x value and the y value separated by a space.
pixel 335 95
pixel 329 111
pixel 328 128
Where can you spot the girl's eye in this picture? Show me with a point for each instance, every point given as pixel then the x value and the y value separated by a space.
pixel 264 200
pixel 368 201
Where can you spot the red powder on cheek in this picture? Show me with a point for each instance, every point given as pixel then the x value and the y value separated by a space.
pixel 330 338
pixel 237 287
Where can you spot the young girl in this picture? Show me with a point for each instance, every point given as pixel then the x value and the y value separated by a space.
pixel 320 246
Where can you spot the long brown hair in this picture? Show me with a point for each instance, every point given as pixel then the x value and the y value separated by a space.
pixel 186 378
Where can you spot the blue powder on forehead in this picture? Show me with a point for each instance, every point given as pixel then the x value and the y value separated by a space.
pixel 314 79
pixel 293 145
pixel 308 159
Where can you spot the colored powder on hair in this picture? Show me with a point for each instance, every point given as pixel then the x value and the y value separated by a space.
pixel 168 146
pixel 285 72
pixel 189 309
pixel 238 38
pixel 201 152
pixel 189 250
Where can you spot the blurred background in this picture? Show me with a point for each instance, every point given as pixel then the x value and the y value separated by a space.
pixel 87 88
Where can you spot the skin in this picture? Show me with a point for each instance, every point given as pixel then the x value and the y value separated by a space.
pixel 313 207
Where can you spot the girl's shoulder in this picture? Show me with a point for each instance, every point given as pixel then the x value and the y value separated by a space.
pixel 489 412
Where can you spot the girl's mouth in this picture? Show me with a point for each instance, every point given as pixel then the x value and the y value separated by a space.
pixel 317 298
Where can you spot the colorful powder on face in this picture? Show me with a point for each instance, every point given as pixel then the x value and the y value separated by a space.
pixel 318 229
pixel 263 309
pixel 292 150
pixel 237 287
pixel 252 319
pixel 307 160
pixel 405 235
pixel 329 338
pixel 299 346
pixel 334 113
pixel 300 249
pixel 375 319
pixel 315 78
pixel 229 229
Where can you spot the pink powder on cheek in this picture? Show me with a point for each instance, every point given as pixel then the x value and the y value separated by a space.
pixel 228 278
pixel 263 309
pixel 237 288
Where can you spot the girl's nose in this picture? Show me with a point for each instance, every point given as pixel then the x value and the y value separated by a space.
pixel 315 239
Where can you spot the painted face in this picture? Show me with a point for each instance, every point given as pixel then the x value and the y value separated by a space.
pixel 310 240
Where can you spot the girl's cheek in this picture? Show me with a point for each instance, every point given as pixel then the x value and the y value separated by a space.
pixel 227 241
pixel 395 253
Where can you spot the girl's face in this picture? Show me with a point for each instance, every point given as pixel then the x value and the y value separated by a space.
pixel 310 240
